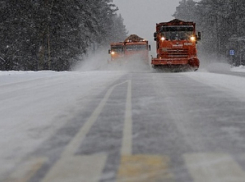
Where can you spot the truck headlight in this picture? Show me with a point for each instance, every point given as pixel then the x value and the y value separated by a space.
pixel 112 52
pixel 163 38
pixel 193 38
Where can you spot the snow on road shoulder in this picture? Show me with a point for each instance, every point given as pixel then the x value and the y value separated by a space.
pixel 238 69
pixel 222 67
pixel 232 84
pixel 35 104
pixel 9 77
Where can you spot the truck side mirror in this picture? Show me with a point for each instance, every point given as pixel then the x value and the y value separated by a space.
pixel 199 37
pixel 149 48
pixel 109 51
pixel 155 36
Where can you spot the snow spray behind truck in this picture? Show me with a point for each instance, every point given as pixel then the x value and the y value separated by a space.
pixel 137 46
pixel 132 46
pixel 176 45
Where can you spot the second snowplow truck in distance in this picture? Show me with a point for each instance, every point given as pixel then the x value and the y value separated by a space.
pixel 132 46
pixel 176 45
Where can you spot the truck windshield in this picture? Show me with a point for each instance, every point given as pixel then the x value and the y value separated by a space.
pixel 118 49
pixel 136 47
pixel 177 32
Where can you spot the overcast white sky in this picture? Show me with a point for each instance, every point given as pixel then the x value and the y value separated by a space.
pixel 141 16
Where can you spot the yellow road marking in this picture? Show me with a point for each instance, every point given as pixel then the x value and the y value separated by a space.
pixel 144 168
pixel 214 167
pixel 27 170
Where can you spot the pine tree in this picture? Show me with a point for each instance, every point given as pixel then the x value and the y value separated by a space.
pixel 221 23
pixel 51 34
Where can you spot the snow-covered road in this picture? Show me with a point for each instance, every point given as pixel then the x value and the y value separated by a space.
pixel 35 104
pixel 186 126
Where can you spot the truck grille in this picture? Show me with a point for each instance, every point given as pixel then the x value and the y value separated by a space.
pixel 177 53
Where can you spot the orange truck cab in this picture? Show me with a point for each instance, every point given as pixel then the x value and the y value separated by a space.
pixel 176 45
pixel 116 51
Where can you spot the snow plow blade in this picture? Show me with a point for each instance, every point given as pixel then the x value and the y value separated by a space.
pixel 180 64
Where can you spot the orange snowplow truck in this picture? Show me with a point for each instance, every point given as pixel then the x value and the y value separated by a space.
pixel 135 45
pixel 176 45
pixel 132 46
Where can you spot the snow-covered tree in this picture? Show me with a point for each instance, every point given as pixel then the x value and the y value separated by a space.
pixel 221 23
pixel 186 10
pixel 51 34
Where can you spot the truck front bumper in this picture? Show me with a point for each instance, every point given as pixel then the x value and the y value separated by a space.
pixel 181 62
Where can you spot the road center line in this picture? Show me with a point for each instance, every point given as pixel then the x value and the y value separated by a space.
pixel 127 130
pixel 76 167
pixel 76 141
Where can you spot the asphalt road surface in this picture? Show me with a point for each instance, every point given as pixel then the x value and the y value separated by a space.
pixel 145 127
